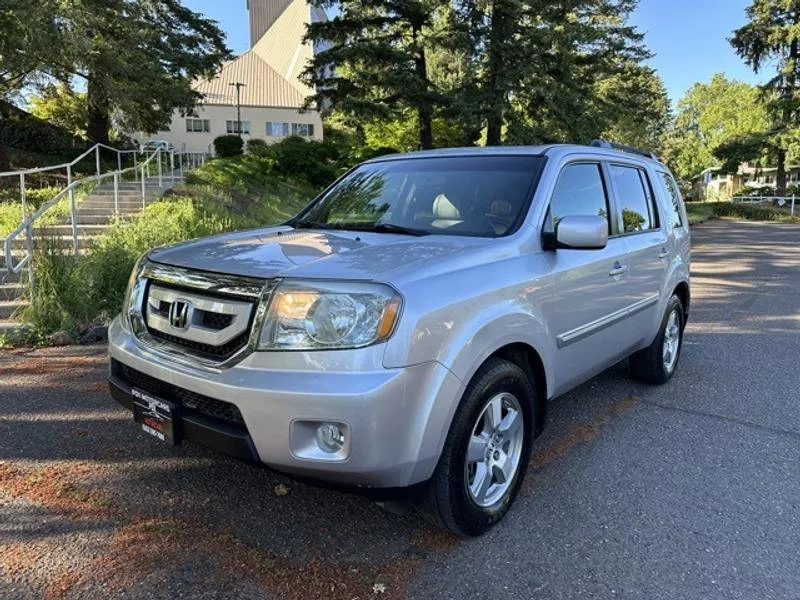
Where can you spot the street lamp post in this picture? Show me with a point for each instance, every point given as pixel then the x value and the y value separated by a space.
pixel 238 85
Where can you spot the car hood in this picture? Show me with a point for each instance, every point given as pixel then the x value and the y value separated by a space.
pixel 288 252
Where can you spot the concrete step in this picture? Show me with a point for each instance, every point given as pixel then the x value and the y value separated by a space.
pixel 9 327
pixel 50 230
pixel 8 308
pixel 7 276
pixel 60 241
pixel 105 210
pixel 11 291
pixel 99 219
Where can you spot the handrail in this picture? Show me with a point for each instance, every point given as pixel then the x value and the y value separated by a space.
pixel 94 148
pixel 28 220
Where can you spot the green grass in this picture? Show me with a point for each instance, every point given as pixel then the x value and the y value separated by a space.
pixel 699 212
pixel 223 195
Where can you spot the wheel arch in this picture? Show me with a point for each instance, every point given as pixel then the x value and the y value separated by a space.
pixel 683 292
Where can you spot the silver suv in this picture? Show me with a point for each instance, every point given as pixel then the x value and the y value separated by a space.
pixel 410 325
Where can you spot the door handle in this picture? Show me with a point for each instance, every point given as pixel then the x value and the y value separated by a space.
pixel 617 269
pixel 664 253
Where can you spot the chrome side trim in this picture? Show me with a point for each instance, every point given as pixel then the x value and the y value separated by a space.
pixel 220 283
pixel 584 331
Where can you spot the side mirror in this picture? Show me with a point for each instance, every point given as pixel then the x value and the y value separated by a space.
pixel 582 232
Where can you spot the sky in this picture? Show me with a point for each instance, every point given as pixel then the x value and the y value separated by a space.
pixel 688 37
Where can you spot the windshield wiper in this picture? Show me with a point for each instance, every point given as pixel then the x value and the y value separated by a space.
pixel 309 225
pixel 391 228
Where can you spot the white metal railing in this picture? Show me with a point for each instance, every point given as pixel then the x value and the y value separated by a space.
pixel 152 169
pixel 782 201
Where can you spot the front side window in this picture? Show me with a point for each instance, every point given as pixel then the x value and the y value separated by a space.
pixel 675 197
pixel 634 204
pixel 483 196
pixel 232 127
pixel 277 129
pixel 579 191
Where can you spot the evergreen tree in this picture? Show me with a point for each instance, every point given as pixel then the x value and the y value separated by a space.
pixel 772 37
pixel 372 60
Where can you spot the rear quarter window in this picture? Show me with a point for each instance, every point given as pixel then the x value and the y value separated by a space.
pixel 674 195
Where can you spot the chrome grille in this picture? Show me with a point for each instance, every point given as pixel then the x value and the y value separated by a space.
pixel 197 314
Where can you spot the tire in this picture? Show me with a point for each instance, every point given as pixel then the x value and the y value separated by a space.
pixel 650 364
pixel 454 498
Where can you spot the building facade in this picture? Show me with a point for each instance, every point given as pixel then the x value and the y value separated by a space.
pixel 711 184
pixel 270 93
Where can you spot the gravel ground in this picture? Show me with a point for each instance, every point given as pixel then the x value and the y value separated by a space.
pixel 689 490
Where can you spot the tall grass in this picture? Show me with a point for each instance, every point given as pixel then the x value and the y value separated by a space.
pixel 73 292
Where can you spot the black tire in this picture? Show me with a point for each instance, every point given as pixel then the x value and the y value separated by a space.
pixel 647 365
pixel 446 500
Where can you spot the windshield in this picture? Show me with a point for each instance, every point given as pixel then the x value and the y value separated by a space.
pixel 472 195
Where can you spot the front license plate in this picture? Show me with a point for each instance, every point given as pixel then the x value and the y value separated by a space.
pixel 156 416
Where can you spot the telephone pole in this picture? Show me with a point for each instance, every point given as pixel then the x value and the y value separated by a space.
pixel 239 87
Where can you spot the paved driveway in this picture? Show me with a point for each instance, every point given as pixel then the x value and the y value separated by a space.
pixel 691 490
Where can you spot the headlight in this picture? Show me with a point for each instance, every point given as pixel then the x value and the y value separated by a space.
pixel 132 304
pixel 318 315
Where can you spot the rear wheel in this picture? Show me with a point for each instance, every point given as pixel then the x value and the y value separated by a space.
pixel 486 452
pixel 657 363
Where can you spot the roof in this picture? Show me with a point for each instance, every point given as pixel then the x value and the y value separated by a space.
pixel 549 149
pixel 263 85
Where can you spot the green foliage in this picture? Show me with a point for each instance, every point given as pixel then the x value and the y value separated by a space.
pixel 770 39
pixel 63 107
pixel 226 146
pixel 222 195
pixel 10 217
pixel 702 211
pixel 23 131
pixel 709 116
pixel 257 147
pixel 350 72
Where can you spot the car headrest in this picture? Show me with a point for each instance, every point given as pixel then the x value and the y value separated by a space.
pixel 501 208
pixel 444 209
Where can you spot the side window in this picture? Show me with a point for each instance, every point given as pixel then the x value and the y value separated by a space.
pixel 675 197
pixel 633 199
pixel 579 191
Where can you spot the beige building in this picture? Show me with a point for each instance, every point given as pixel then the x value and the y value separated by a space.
pixel 713 185
pixel 272 96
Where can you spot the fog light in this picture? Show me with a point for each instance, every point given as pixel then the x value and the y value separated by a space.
pixel 330 437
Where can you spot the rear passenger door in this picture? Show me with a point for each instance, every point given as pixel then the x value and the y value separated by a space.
pixel 648 247
pixel 586 312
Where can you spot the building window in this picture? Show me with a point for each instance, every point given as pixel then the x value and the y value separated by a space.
pixel 303 129
pixel 277 129
pixel 230 127
pixel 198 125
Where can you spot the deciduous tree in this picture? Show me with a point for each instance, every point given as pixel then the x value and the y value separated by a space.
pixel 772 37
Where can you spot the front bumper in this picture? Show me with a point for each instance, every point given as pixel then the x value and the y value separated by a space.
pixel 397 419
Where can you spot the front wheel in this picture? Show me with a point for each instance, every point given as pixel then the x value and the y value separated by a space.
pixel 486 452
pixel 656 363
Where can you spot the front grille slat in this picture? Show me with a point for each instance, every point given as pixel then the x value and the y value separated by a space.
pixel 211 321
pixel 211 407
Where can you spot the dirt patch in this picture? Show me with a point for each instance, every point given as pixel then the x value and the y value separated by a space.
pixel 57 487
pixel 146 547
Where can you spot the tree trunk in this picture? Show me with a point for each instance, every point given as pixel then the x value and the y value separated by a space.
pixel 5 163
pixel 494 92
pixel 97 129
pixel 424 108
pixel 780 175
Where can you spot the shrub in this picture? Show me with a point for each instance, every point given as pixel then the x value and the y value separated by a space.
pixel 228 145
pixel 257 147
pixel 313 161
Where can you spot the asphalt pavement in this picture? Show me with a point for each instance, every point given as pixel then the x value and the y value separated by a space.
pixel 689 490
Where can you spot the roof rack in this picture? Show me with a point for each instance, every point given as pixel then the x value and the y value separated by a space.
pixel 624 148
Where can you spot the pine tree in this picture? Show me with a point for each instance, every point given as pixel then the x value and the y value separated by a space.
pixel 372 60
pixel 772 36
